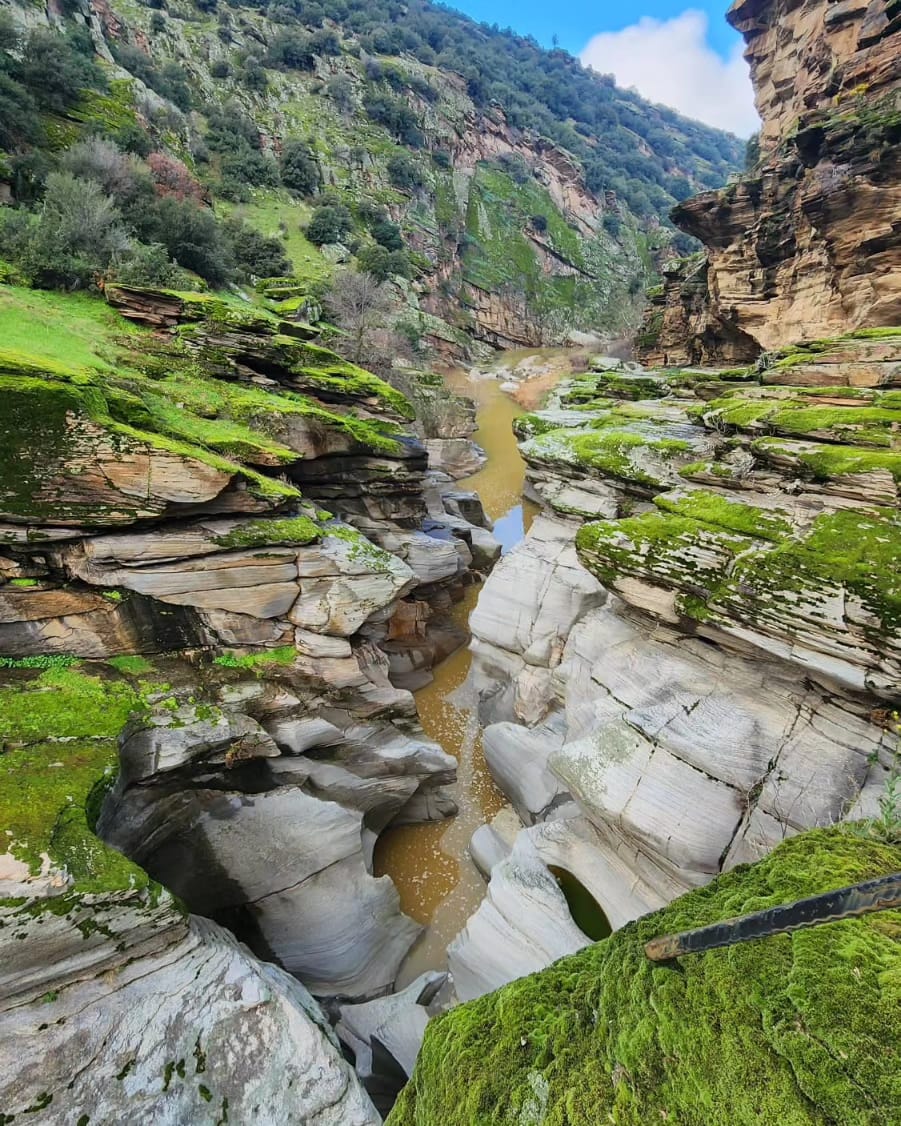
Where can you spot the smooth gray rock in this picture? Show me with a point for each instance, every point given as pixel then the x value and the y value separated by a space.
pixel 157 1017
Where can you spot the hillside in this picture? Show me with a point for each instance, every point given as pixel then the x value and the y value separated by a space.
pixel 509 194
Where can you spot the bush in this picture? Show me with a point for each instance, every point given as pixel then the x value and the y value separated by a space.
pixel 341 90
pixel 325 42
pixel 388 234
pixel 386 109
pixel 73 238
pixel 151 265
pixel 256 255
pixel 299 169
pixel 404 172
pixel 193 238
pixel 249 166
pixel 291 50
pixel 330 222
pixel 55 69
pixel 539 223
pixel 383 264
pixel 173 178
pixel 441 159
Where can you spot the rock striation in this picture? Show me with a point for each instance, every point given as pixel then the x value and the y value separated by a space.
pixel 806 244
pixel 702 652
pixel 221 551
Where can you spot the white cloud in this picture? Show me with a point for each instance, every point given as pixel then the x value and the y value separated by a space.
pixel 670 61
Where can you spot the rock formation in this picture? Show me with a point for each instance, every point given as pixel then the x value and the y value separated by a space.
pixel 707 665
pixel 200 663
pixel 806 244
pixel 797 1028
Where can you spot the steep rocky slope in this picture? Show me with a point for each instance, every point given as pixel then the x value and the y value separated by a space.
pixel 807 244
pixel 501 240
pixel 180 616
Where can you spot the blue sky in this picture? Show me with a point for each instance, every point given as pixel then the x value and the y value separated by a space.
pixel 678 52
pixel 574 22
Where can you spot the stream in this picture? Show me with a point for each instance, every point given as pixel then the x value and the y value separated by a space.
pixel 439 886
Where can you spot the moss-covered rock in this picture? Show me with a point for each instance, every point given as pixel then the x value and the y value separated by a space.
pixel 58 755
pixel 793 1030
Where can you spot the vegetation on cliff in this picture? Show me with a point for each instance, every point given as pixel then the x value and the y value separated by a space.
pixel 789 1030
pixel 306 127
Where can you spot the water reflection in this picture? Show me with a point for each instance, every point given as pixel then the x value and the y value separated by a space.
pixel 430 865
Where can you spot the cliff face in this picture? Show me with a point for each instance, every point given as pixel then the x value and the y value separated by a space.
pixel 181 614
pixel 808 244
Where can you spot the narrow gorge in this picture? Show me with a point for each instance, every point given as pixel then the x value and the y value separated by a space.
pixel 358 730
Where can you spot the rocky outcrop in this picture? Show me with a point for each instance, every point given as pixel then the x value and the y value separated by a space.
pixel 125 1007
pixel 746 1034
pixel 710 668
pixel 178 611
pixel 806 245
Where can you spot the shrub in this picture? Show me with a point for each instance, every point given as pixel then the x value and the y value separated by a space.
pixel 341 90
pixel 299 169
pixel 404 172
pixel 383 264
pixel 325 42
pixel 149 264
pixel 387 234
pixel 172 178
pixel 193 238
pixel 73 238
pixel 55 69
pixel 291 50
pixel 257 255
pixel 330 222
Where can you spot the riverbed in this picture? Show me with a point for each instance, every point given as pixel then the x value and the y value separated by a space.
pixel 439 886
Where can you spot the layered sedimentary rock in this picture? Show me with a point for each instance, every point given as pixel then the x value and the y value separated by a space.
pixel 220 552
pixel 702 650
pixel 806 244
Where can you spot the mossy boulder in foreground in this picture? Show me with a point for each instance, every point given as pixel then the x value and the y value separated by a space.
pixel 789 1030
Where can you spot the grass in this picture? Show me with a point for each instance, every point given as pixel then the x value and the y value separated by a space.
pixel 274 212
pixel 78 329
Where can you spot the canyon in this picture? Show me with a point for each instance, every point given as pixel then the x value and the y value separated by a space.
pixel 341 782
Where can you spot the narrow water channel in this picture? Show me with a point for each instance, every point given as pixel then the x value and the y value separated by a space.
pixel 439 885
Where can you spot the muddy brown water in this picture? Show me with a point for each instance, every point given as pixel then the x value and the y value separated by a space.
pixel 439 886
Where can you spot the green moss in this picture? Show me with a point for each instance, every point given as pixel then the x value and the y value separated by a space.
pixel 58 735
pixel 131 665
pixel 826 462
pixel 297 530
pixel 865 425
pixel 286 655
pixel 672 550
pixel 793 1030
pixel 731 515
pixel 23 584
pixel 857 549
pixel 887 333
pixel 607 451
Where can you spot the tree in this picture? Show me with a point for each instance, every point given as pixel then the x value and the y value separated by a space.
pixel 256 255
pixel 299 169
pixel 383 264
pixel 387 234
pixel 358 304
pixel 404 172
pixel 193 238
pixel 330 222
pixel 74 237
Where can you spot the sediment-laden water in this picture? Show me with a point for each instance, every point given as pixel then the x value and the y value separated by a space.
pixel 439 885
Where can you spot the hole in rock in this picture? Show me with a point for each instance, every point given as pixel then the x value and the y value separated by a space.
pixel 586 911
